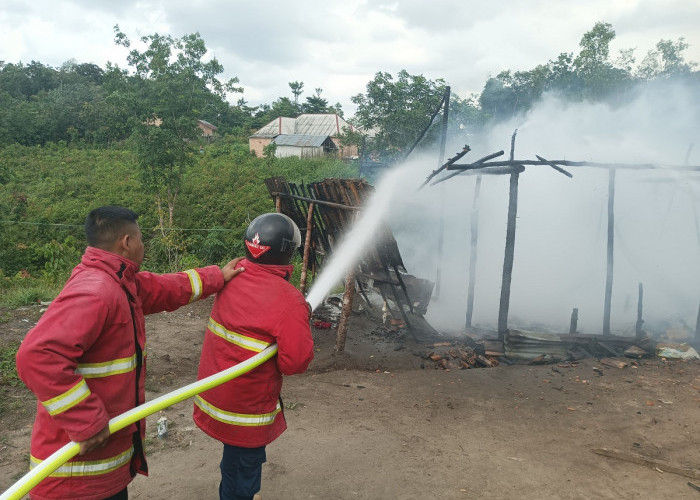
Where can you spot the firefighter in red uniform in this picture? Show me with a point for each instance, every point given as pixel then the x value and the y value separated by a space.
pixel 85 358
pixel 257 309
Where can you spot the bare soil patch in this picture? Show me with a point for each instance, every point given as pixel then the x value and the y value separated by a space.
pixel 379 421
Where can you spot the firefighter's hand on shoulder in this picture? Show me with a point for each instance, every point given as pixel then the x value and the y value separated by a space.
pixel 230 270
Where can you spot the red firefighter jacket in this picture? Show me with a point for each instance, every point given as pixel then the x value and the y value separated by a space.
pixel 260 307
pixel 85 362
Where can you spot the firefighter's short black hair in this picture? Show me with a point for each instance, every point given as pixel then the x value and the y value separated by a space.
pixel 104 225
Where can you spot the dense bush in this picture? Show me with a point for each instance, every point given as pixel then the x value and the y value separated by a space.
pixel 49 190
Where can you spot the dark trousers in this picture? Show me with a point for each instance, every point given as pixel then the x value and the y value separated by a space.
pixel 122 495
pixel 241 472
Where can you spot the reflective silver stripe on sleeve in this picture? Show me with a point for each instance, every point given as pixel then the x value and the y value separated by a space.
pixel 236 338
pixel 195 284
pixel 243 419
pixel 68 399
pixel 91 468
pixel 107 368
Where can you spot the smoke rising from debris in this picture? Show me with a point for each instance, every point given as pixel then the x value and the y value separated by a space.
pixel 561 235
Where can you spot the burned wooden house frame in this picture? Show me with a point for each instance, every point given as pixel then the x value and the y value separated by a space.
pixel 513 167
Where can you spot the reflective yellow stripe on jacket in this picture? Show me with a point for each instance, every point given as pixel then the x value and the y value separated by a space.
pixel 107 368
pixel 236 338
pixel 68 399
pixel 195 283
pixel 91 468
pixel 227 417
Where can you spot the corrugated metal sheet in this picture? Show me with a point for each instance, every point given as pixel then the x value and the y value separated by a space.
pixel 280 125
pixel 522 344
pixel 307 124
pixel 313 141
pixel 320 125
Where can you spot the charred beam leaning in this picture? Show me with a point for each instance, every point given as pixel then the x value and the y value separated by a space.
pixel 403 287
pixel 478 164
pixel 449 162
pixel 555 167
pixel 430 122
pixel 567 163
pixel 441 222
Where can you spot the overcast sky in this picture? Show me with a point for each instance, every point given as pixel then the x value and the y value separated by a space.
pixel 339 46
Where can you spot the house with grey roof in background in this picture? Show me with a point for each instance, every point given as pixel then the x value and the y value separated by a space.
pixel 307 135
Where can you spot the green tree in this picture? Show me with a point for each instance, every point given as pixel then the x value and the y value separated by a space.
pixel 598 75
pixel 173 85
pixel 589 75
pixel 667 60
pixel 398 108
pixel 316 104
pixel 297 90
pixel 283 107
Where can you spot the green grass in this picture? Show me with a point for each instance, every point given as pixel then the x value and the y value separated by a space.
pixel 8 370
pixel 27 292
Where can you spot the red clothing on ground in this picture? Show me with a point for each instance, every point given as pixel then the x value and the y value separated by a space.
pixel 85 362
pixel 260 307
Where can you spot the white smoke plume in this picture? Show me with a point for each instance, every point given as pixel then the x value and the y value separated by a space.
pixel 561 236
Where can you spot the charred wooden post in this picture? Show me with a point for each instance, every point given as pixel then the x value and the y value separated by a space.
pixel 574 321
pixel 697 328
pixel 441 223
pixel 611 245
pixel 278 203
pixel 307 248
pixel 348 297
pixel 510 248
pixel 474 229
pixel 640 321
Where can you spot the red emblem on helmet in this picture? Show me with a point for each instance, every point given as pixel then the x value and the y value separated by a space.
pixel 255 248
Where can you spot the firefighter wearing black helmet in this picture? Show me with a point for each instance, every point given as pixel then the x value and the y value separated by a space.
pixel 263 308
pixel 272 239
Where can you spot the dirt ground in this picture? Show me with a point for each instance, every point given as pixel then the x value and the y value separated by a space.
pixel 381 422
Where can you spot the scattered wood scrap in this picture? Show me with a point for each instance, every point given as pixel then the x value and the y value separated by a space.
pixel 454 355
pixel 616 363
pixel 635 352
pixel 649 462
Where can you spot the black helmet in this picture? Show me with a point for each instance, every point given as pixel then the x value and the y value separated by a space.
pixel 272 239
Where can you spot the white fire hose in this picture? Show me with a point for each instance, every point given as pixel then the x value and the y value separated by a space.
pixel 58 458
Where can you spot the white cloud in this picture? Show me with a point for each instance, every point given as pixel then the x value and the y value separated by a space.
pixel 339 46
